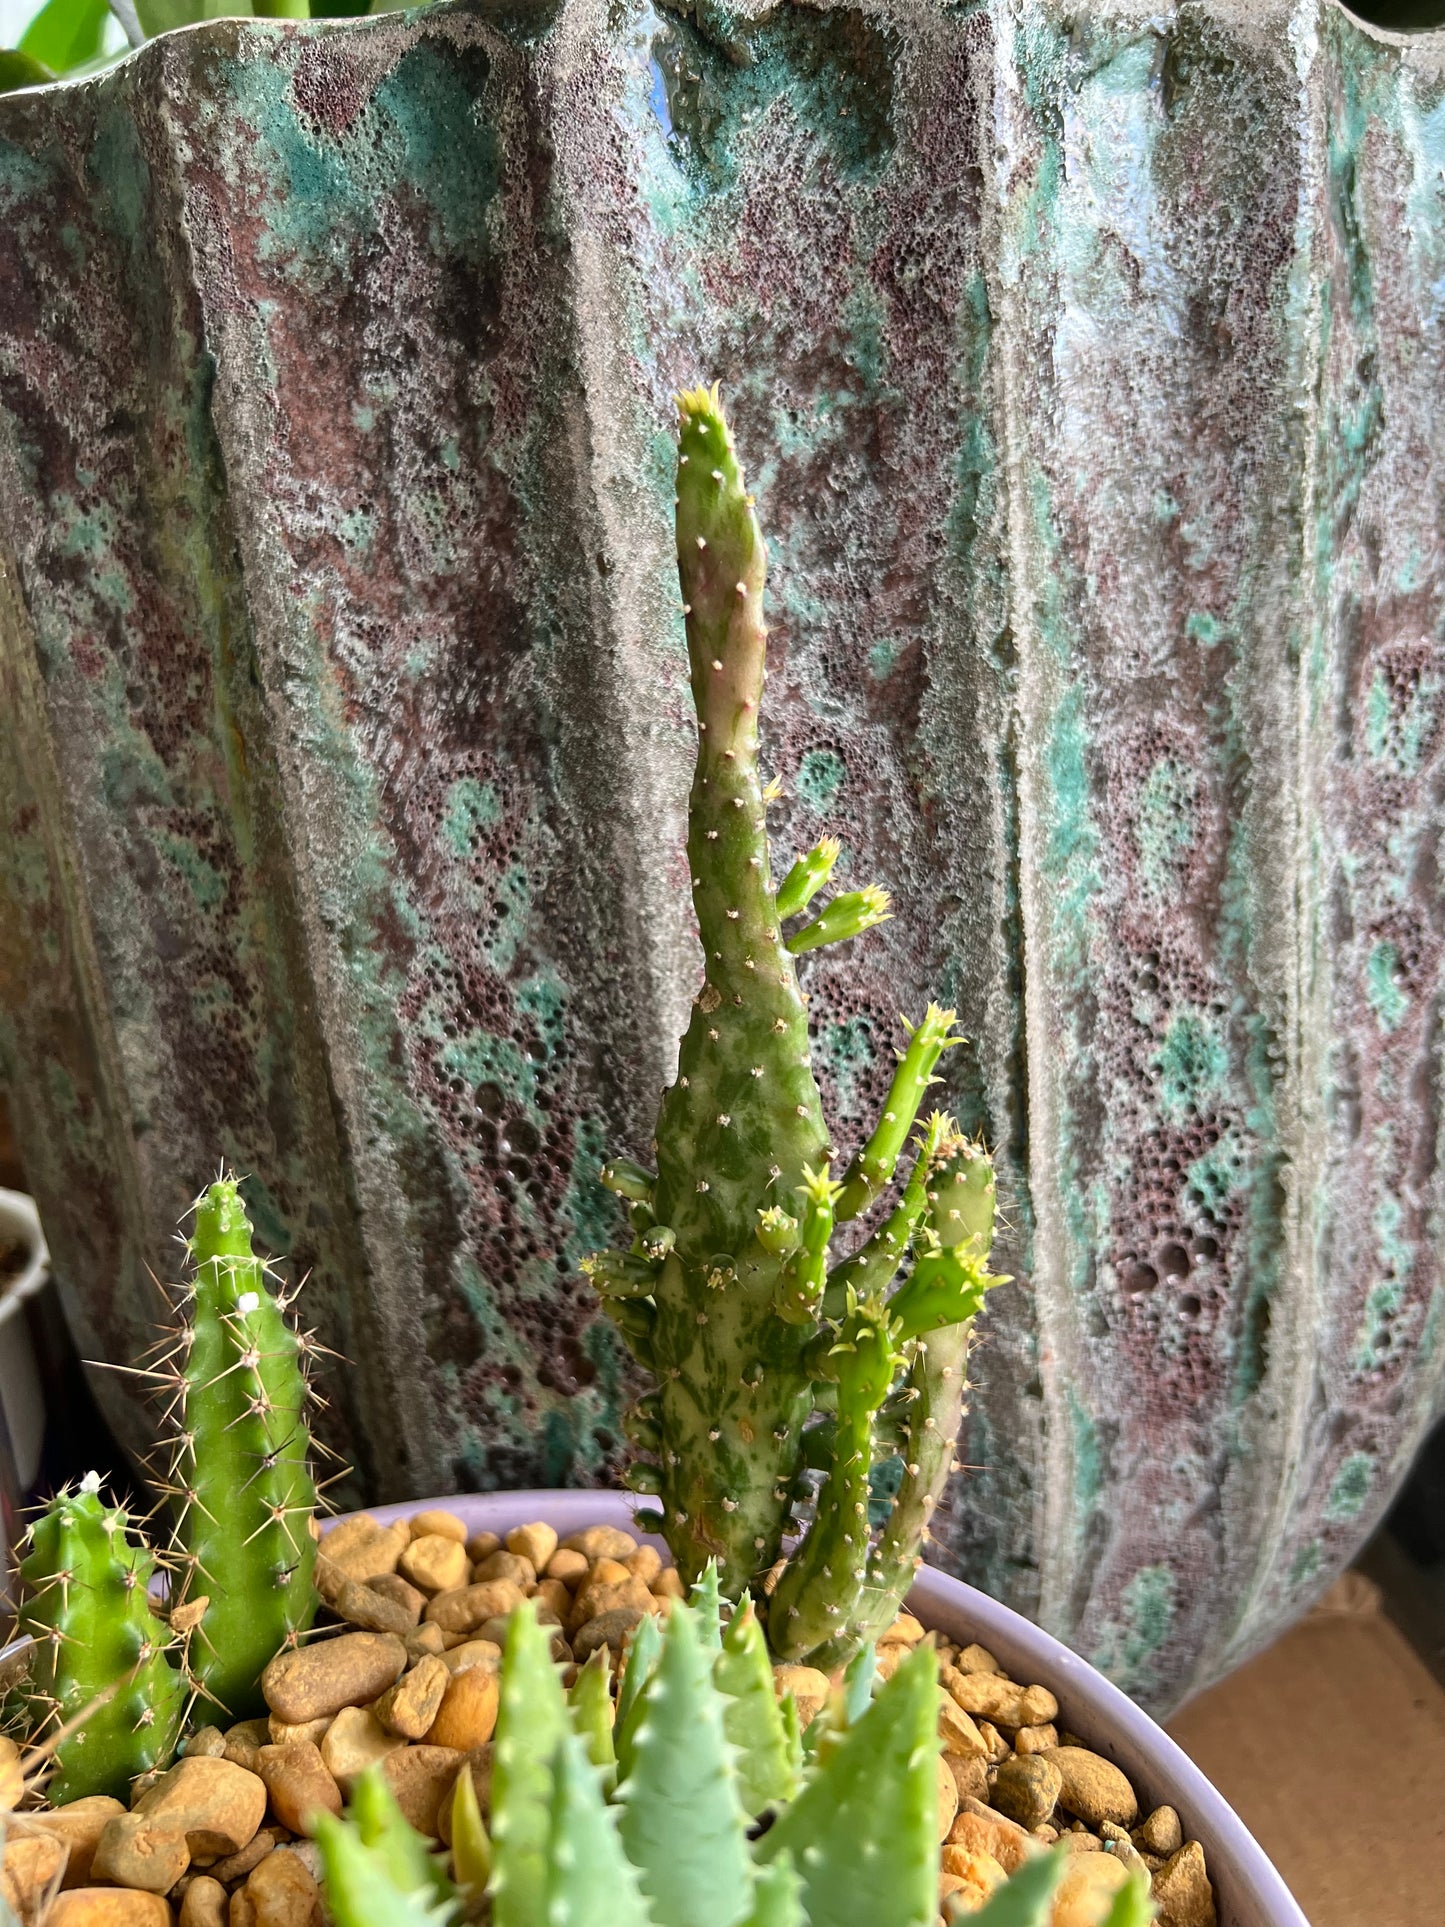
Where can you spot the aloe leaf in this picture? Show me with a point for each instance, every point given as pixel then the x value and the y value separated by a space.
pixel 531 1723
pixel 778 1896
pixel 683 1824
pixel 706 1601
pixel 752 1718
pixel 359 1891
pixel 471 1849
pixel 590 1882
pixel 864 1830
pixel 398 1849
pixel 591 1704
pixel 1132 1906
pixel 642 1655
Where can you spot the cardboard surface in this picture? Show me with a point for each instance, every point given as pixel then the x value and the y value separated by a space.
pixel 1331 1748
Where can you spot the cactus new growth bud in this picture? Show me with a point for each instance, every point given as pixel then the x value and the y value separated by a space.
pixel 239 1471
pixel 774 1352
pixel 100 1672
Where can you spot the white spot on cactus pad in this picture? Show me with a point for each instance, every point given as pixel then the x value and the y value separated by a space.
pixel 91 1482
pixel 249 1301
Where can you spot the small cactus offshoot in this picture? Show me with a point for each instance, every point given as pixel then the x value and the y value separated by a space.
pixel 660 1835
pixel 101 1673
pixel 239 1474
pixel 775 1356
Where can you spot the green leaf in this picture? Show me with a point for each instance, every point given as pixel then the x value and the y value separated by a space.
pixel 642 1655
pixel 706 1601
pixel 590 1883
pixel 66 33
pixel 471 1849
pixel 591 1704
pixel 864 1830
pixel 858 1682
pixel 19 69
pixel 778 1896
pixel 752 1719
pixel 531 1723
pixel 1026 1899
pixel 683 1824
pixel 359 1890
pixel 398 1848
pixel 1132 1906
pixel 160 16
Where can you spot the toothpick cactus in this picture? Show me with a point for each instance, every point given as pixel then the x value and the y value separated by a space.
pixel 100 1673
pixel 772 1354
pixel 239 1472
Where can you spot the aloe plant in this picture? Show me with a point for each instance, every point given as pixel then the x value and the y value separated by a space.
pixel 853 1841
pixel 773 1356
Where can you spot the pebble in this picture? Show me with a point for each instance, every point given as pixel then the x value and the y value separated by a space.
pixel 507 1565
pixel 986 1832
pixel 135 1851
pixel 998 1747
pixel 422 1640
pixel 536 1542
pixel 1026 1788
pixel 204 1903
pixel 947 1799
pixel 408 1708
pixel 1086 1893
pixel 283 1734
pixel 421 1777
pixel 976 1659
pixel 1118 1843
pixel 668 1584
pixel 436 1564
pixel 992 1697
pixel 391 1585
pixel 645 1564
pixel 481 1546
pixel 905 1631
pixel 281 1892
pixel 970 1774
pixel 958 1732
pixel 971 1875
pixel 468 1712
pixel 244 1741
pixel 79 1826
pixel 1093 1787
pixel 358 1547
pixel 568 1565
pixel 236 1866
pixel 601 1542
pixel 355 1740
pixel 469 1607
pixel 216 1804
pixel 298 1783
pixel 439 1524
pixel 312 1681
pixel 552 1594
pixel 1035 1739
pixel 1182 1891
pixel 1161 1833
pixel 108 1907
pixel 611 1629
pixel 361 1605
pixel 33 1865
pixel 473 1652
pixel 208 1744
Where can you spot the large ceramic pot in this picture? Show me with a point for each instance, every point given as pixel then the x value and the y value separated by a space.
pixel 1248 1891
pixel 1086 355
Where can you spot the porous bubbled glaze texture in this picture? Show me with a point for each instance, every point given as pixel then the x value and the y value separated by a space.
pixel 1086 365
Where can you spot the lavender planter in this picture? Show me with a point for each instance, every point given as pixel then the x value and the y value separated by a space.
pixel 1248 1891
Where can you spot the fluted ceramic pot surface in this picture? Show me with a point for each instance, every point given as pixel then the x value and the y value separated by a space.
pixel 1087 361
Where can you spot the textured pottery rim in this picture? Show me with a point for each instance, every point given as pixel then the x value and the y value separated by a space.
pixel 19 1219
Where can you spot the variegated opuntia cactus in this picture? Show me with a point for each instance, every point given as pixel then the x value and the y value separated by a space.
pixel 774 1355
pixel 100 1676
pixel 240 1474
pixel 649 1821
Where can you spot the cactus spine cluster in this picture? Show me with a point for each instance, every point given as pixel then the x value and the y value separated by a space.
pixel 771 1356
pixel 649 1826
pixel 101 1672
pixel 240 1473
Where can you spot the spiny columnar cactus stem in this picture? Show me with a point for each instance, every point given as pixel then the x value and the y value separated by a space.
pixel 98 1645
pixel 240 1468
pixel 729 1292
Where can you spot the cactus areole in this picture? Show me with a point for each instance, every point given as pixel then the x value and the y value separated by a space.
pixel 774 1357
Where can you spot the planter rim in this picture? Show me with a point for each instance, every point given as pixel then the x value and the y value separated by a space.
pixel 19 1219
pixel 1249 1891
